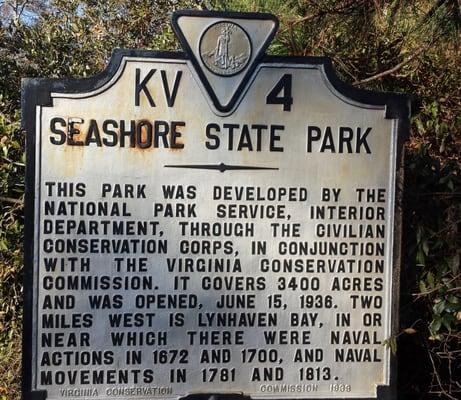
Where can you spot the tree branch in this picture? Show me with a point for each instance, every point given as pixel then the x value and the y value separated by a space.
pixel 11 200
pixel 438 287
pixel 434 368
pixel 320 13
pixel 395 68
pixel 23 6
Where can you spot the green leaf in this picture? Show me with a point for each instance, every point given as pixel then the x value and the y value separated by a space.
pixel 420 257
pixel 451 307
pixel 435 325
pixel 453 299
pixel 419 125
pixel 391 343
pixel 448 321
pixel 425 246
pixel 422 287
pixel 430 279
pixel 3 245
pixel 439 307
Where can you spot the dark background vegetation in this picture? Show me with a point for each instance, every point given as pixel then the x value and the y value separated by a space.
pixel 403 46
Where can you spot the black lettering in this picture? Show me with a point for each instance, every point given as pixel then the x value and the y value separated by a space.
pixel 61 139
pixel 362 140
pixel 212 145
pixel 92 135
pixel 313 134
pixel 175 134
pixel 170 96
pixel 127 133
pixel 161 129
pixel 140 86
pixel 110 133
pixel 275 138
pixel 144 134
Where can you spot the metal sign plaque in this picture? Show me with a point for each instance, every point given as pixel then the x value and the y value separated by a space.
pixel 213 222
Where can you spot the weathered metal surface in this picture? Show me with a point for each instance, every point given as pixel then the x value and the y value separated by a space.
pixel 180 250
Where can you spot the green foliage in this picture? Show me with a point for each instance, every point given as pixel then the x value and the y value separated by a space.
pixel 383 45
pixel 11 235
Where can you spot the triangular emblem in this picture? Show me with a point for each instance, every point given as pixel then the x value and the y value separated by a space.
pixel 225 48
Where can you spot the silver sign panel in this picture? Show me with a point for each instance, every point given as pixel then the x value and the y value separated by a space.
pixel 216 223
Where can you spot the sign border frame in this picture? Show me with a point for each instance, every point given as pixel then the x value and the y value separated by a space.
pixel 37 92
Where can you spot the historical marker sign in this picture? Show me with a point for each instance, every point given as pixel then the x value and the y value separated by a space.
pixel 213 222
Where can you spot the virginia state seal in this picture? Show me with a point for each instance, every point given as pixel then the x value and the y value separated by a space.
pixel 225 48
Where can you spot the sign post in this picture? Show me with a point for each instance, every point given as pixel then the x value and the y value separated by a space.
pixel 213 222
